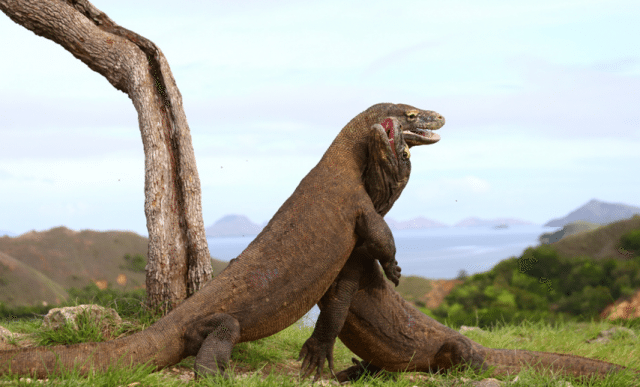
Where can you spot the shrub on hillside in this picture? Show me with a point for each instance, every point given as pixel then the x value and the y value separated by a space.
pixel 540 285
pixel 127 304
pixel 136 263
pixel 631 241
pixel 22 312
pixel 586 303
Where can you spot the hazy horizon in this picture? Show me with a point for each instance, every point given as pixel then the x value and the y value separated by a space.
pixel 540 99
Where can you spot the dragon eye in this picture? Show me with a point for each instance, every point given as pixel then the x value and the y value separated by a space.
pixel 412 114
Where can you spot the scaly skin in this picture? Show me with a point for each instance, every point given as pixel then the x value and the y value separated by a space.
pixel 378 325
pixel 381 184
pixel 279 276
pixel 388 333
pixel 388 161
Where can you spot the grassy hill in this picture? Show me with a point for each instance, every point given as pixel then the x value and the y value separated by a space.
pixel 574 278
pixel 39 267
pixel 76 258
pixel 600 243
pixel 23 285
pixel 568 229
pixel 44 264
pixel 217 266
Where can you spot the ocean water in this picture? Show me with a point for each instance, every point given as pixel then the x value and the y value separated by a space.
pixel 433 253
pixel 430 253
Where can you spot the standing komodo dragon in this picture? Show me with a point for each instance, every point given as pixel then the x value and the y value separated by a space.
pixel 388 166
pixel 279 276
pixel 388 333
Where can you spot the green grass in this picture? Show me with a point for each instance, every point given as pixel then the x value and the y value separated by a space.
pixel 272 361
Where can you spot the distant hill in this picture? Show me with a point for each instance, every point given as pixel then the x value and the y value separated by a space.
pixel 599 243
pixel 38 267
pixel 233 225
pixel 477 222
pixel 63 258
pixel 597 212
pixel 415 223
pixel 217 266
pixel 240 225
pixel 20 284
pixel 568 229
pixel 7 233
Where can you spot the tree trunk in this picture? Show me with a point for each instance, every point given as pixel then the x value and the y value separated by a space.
pixel 178 260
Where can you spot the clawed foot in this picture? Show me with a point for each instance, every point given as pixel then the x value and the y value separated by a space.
pixel 211 369
pixel 315 353
pixel 392 271
pixel 356 371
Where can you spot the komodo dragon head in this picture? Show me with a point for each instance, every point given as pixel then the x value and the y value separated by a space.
pixel 399 127
pixel 417 124
pixel 388 167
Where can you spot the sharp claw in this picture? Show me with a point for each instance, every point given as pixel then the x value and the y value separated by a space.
pixel 333 374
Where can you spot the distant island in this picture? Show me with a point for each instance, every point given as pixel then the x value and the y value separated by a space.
pixel 505 222
pixel 415 223
pixel 240 225
pixel 594 211
pixel 233 226
pixel 568 229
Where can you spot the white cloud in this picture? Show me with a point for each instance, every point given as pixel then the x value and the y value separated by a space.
pixel 476 185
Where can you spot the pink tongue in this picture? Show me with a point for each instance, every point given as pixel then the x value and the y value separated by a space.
pixel 387 124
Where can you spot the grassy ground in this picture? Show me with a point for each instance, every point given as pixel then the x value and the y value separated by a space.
pixel 272 361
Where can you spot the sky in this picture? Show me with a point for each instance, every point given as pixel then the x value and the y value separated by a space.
pixel 541 100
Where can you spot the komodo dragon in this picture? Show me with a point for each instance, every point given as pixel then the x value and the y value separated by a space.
pixel 278 277
pixel 388 333
pixel 388 165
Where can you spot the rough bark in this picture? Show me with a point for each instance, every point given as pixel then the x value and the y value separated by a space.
pixel 178 260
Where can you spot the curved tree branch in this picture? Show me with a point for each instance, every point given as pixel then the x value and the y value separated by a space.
pixel 179 260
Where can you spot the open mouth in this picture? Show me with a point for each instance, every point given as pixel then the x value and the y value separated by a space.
pixel 421 136
pixel 422 132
